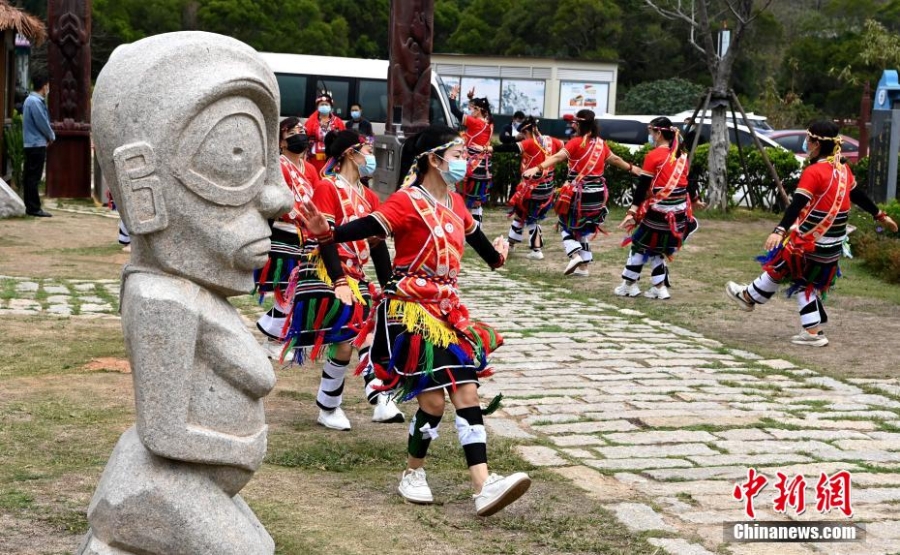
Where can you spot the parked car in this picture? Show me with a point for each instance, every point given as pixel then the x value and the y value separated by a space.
pixel 758 122
pixel 792 139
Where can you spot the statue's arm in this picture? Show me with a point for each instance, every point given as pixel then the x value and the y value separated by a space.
pixel 161 335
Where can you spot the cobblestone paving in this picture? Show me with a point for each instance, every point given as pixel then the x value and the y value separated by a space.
pixel 58 297
pixel 661 423
pixel 657 422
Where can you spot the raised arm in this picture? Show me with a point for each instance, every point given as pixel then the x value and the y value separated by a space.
pixel 861 199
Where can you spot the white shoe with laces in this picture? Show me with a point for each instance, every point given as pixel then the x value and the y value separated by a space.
pixel 809 339
pixel 574 263
pixel 735 293
pixel 386 410
pixel 535 255
pixel 414 487
pixel 498 492
pixel 334 419
pixel 581 272
pixel 628 289
pixel 661 293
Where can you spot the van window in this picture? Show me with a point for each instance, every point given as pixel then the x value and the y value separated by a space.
pixel 293 95
pixel 339 89
pixel 373 99
pixel 794 143
pixel 629 132
pixel 436 109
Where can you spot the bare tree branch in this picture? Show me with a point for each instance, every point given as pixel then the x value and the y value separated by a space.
pixel 740 18
pixel 672 14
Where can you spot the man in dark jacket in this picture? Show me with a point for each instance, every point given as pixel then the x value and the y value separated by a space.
pixel 358 123
pixel 510 132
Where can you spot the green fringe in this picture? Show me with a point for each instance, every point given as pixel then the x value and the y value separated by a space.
pixel 276 277
pixel 493 405
pixel 311 314
pixel 429 356
pixel 330 351
pixel 333 311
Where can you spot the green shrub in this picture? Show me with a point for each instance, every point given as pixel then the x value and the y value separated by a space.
pixel 877 247
pixel 15 148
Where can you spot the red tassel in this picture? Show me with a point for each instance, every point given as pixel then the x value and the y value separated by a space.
pixel 486 373
pixel 412 357
pixel 264 273
pixel 452 380
pixel 388 385
pixel 381 373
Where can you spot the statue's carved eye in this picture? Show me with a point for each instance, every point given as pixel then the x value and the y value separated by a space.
pixel 232 152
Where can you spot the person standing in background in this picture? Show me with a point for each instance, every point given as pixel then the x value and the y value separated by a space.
pixel 510 133
pixel 38 135
pixel 358 123
pixel 317 126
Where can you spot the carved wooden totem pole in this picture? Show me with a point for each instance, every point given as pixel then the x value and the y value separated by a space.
pixel 409 76
pixel 69 60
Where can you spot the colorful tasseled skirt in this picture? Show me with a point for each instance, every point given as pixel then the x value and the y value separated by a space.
pixel 414 351
pixel 531 202
pixel 476 187
pixel 661 233
pixel 796 261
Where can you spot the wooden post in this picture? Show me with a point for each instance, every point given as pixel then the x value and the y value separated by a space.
pixel 409 73
pixel 781 192
pixel 69 60
pixel 865 114
pixel 699 125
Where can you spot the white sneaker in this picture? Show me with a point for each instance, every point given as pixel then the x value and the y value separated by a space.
pixel 809 339
pixel 581 272
pixel 386 410
pixel 273 349
pixel 575 262
pixel 334 419
pixel 661 293
pixel 628 289
pixel 414 487
pixel 535 255
pixel 498 492
pixel 735 293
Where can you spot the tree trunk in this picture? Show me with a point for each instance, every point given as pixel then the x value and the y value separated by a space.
pixel 718 154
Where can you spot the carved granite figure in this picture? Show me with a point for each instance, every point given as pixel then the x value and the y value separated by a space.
pixel 185 127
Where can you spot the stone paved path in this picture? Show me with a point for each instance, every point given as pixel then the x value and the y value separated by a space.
pixel 660 423
pixel 58 297
pixel 657 422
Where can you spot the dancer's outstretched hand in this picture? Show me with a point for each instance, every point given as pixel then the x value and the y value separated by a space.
pixel 344 294
pixel 501 246
pixel 628 223
pixel 312 219
pixel 773 241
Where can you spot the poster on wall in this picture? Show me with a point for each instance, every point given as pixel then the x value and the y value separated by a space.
pixel 574 96
pixel 484 87
pixel 524 95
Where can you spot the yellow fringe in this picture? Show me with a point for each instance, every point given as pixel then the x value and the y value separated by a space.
pixel 322 274
pixel 418 320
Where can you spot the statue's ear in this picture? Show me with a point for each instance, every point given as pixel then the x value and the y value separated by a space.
pixel 143 206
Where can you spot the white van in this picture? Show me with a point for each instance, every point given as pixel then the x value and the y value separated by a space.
pixel 349 81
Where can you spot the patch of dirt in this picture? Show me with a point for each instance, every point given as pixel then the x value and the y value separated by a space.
pixel 108 364
pixel 67 245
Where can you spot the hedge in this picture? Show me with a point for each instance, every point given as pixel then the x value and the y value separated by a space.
pixel 755 185
pixel 878 248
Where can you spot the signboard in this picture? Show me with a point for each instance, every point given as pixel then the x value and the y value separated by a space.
pixel 522 94
pixel 574 96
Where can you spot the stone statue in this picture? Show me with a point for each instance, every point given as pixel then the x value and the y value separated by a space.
pixel 186 131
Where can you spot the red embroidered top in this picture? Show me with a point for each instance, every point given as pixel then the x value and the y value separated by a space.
pixel 429 238
pixel 581 152
pixel 478 131
pixel 536 151
pixel 316 131
pixel 341 203
pixel 300 184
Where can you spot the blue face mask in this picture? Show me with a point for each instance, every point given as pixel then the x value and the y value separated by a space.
pixel 355 114
pixel 467 111
pixel 456 171
pixel 650 139
pixel 805 146
pixel 325 109
pixel 368 168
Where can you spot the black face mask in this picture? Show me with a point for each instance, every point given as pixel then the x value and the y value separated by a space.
pixel 297 143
